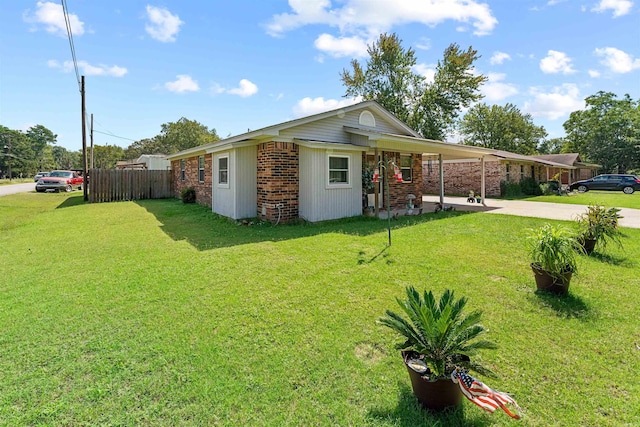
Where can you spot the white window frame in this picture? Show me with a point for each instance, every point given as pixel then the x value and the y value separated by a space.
pixel 182 169
pixel 220 183
pixel 348 170
pixel 200 169
pixel 409 168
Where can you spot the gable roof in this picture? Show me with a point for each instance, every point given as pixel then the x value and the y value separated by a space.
pixel 270 132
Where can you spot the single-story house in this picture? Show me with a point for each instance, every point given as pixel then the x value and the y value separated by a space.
pixel 463 175
pixel 313 167
pixel 146 162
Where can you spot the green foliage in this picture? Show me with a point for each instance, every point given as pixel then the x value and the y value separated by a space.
pixel 530 187
pixel 607 132
pixel 188 195
pixel 551 146
pixel 106 156
pixel 429 108
pixel 547 189
pixel 439 330
pixel 510 189
pixel 501 128
pixel 554 249
pixel 600 224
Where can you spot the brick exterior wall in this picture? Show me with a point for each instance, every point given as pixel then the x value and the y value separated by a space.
pixel 278 181
pixel 398 191
pixel 460 178
pixel 203 189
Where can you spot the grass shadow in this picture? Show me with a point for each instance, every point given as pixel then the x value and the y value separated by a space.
pixel 567 306
pixel 70 202
pixel 612 259
pixel 206 230
pixel 409 413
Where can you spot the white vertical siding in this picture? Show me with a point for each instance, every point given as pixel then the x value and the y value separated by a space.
pixel 223 200
pixel 245 176
pixel 317 201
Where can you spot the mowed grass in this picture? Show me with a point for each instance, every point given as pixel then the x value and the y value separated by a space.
pixel 606 198
pixel 159 313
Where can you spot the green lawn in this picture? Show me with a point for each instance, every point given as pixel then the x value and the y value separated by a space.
pixel 159 313
pixel 15 181
pixel 606 198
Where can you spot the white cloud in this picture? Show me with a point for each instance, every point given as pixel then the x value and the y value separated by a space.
pixel 423 44
pixel 428 71
pixel 619 7
pixel 184 83
pixel 560 102
pixel 616 60
pixel 594 73
pixel 308 106
pixel 341 46
pixel 244 90
pixel 52 17
pixel 496 90
pixel 163 26
pixel 88 69
pixel 556 62
pixel 499 57
pixel 360 16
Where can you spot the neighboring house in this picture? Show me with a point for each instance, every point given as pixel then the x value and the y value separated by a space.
pixel 463 175
pixel 147 162
pixel 311 167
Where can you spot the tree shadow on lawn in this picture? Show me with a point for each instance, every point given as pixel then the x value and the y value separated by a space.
pixel 410 413
pixel 206 230
pixel 71 201
pixel 567 306
pixel 613 260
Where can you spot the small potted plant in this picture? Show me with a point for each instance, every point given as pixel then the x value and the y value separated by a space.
pixel 597 226
pixel 553 257
pixel 438 338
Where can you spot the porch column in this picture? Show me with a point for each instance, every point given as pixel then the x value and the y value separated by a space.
pixel 441 169
pixel 482 181
pixel 376 186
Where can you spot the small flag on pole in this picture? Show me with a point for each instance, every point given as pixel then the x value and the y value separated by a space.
pixel 482 395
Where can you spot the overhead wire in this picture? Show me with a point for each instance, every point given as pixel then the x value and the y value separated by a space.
pixel 65 12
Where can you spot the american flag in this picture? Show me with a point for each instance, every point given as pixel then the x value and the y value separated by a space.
pixel 482 395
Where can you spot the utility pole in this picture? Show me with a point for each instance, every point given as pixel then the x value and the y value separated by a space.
pixel 91 137
pixel 84 144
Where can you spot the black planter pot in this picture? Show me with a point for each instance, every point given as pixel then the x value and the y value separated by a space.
pixel 551 283
pixel 588 245
pixel 434 395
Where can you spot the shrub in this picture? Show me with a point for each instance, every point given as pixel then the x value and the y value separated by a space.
pixel 510 189
pixel 188 195
pixel 530 187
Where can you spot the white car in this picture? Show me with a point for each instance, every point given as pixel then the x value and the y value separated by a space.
pixel 40 175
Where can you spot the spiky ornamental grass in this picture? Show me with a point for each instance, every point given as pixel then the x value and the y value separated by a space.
pixel 441 332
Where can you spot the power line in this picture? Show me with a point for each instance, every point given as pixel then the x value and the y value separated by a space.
pixel 115 136
pixel 70 37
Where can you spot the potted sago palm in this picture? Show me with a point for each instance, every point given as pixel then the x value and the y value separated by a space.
pixel 438 338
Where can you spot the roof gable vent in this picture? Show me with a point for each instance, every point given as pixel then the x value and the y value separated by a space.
pixel 367 119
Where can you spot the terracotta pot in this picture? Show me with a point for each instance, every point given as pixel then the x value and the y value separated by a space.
pixel 434 395
pixel 549 283
pixel 588 245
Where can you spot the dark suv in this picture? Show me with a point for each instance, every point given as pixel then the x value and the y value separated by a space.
pixel 615 182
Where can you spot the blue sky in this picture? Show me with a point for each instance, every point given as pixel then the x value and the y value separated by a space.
pixel 245 64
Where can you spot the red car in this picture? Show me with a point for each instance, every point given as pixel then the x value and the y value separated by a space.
pixel 59 181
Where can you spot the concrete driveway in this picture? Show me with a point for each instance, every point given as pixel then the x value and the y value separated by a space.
pixel 5 190
pixel 562 211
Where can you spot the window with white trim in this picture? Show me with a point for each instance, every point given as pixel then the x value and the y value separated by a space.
pixel 338 170
pixel 201 168
pixel 405 168
pixel 223 170
pixel 182 168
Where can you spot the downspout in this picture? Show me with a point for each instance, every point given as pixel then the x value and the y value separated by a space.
pixel 482 182
pixel 441 170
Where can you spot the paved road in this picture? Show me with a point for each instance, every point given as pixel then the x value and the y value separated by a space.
pixel 533 209
pixel 16 188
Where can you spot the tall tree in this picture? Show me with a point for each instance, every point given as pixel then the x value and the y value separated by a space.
pixel 501 128
pixel 607 132
pixel 65 159
pixel 106 156
pixel 16 153
pixel 551 146
pixel 389 77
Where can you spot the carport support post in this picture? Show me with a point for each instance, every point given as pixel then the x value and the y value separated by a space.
pixel 482 181
pixel 376 187
pixel 441 172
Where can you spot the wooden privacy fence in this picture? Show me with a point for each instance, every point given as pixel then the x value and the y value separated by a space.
pixel 112 185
